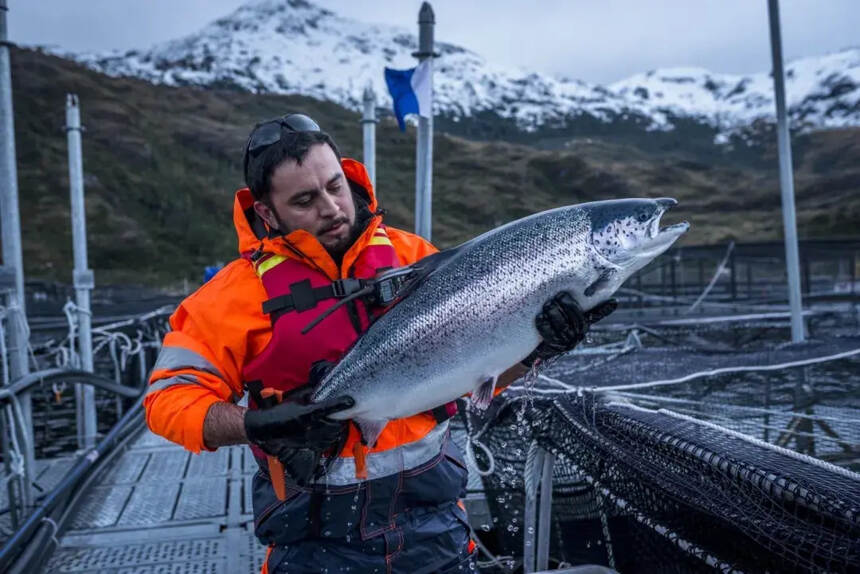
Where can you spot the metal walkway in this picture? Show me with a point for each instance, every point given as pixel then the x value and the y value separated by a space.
pixel 161 509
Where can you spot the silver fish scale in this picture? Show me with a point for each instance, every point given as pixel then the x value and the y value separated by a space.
pixel 468 321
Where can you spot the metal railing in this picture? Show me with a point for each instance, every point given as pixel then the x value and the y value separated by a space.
pixel 123 355
pixel 28 547
pixel 748 273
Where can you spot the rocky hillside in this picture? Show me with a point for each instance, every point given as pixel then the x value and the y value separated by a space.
pixel 161 164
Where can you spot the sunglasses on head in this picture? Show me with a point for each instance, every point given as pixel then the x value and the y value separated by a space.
pixel 269 132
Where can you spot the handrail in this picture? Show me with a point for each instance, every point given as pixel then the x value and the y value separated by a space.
pixel 18 541
pixel 70 375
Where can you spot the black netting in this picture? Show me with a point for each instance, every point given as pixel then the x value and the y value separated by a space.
pixel 653 491
pixel 751 388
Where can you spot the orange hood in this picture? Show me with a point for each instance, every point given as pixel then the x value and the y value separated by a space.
pixel 253 233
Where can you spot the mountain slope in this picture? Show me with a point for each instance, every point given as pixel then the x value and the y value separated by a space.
pixel 296 47
pixel 161 165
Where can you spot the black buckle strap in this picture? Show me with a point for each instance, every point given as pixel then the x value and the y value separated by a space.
pixel 303 297
pixel 346 287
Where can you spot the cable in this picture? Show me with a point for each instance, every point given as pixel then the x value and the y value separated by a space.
pixel 716 276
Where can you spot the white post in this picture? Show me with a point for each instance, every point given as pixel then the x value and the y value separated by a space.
pixel 786 180
pixel 533 473
pixel 545 511
pixel 368 128
pixel 424 147
pixel 10 221
pixel 83 276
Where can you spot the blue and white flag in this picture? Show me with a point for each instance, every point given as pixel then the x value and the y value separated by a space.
pixel 411 90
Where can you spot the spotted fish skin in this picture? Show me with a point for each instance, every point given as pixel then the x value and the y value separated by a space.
pixel 472 317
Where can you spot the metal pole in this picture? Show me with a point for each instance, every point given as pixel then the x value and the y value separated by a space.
pixel 786 181
pixel 83 276
pixel 749 279
pixel 534 468
pixel 10 221
pixel 368 127
pixel 545 511
pixel 733 272
pixel 424 147
pixel 853 270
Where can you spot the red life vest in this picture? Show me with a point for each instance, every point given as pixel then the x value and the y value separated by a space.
pixel 298 293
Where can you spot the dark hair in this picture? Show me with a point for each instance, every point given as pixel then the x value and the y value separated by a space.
pixel 292 145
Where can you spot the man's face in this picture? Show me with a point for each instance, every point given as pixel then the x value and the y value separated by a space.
pixel 313 196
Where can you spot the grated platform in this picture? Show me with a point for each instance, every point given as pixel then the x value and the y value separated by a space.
pixel 162 510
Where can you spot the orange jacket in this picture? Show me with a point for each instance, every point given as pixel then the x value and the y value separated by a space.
pixel 220 327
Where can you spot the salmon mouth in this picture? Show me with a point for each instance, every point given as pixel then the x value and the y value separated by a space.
pixel 660 239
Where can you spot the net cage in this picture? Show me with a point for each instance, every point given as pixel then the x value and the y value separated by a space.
pixel 682 450
pixel 642 490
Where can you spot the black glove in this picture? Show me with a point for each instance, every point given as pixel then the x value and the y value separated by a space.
pixel 563 325
pixel 283 428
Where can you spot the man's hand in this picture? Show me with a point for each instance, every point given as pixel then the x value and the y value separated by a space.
pixel 563 325
pixel 283 428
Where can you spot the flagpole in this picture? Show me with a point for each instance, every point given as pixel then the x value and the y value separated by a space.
pixel 368 128
pixel 424 140
pixel 786 179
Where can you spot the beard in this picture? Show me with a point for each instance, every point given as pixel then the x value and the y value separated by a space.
pixel 338 249
pixel 362 219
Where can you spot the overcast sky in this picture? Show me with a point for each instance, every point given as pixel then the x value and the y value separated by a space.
pixel 595 40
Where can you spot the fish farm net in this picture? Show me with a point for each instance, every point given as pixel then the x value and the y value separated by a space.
pixel 680 458
pixel 640 490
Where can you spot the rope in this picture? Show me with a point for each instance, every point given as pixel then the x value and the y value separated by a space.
pixel 72 319
pixel 4 356
pixel 604 525
pixel 752 440
pixel 713 281
pixel 723 370
pixel 471 442
pixel 566 387
pixel 659 398
pixel 531 484
pixel 54 530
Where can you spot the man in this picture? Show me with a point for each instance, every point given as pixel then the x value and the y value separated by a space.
pixel 307 221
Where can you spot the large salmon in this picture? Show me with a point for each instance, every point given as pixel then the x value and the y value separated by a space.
pixel 471 313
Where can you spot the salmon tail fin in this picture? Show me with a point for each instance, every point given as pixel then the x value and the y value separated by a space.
pixel 370 430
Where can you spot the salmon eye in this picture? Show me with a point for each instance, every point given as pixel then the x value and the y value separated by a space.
pixel 642 217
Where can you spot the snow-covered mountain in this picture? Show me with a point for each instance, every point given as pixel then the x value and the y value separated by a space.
pixel 294 46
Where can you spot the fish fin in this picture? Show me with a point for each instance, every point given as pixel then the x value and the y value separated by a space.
pixel 370 430
pixel 425 267
pixel 482 396
pixel 601 280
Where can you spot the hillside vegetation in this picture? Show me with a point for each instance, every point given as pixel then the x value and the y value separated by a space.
pixel 161 165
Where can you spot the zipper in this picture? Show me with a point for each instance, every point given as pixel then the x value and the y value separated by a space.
pixel 304 257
